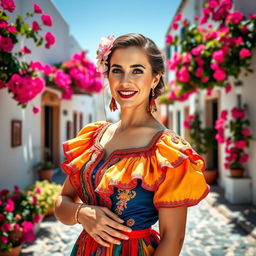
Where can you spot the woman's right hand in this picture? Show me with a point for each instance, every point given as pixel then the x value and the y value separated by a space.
pixel 101 224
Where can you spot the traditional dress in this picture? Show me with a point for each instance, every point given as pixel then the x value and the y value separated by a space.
pixel 134 183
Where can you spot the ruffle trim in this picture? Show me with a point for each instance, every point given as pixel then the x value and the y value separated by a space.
pixel 79 149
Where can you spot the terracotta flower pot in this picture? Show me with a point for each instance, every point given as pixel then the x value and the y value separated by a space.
pixel 50 212
pixel 236 173
pixel 45 174
pixel 13 252
pixel 210 176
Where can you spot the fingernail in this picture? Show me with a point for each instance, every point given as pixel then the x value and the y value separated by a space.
pixel 121 220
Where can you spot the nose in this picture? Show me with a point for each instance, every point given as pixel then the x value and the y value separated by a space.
pixel 125 78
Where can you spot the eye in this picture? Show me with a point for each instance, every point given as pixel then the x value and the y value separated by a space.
pixel 140 71
pixel 115 69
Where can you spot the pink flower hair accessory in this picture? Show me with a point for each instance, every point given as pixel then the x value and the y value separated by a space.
pixel 105 45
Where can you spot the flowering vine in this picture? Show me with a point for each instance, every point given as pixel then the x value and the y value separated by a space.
pixel 209 55
pixel 237 143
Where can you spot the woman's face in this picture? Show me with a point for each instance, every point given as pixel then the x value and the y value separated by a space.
pixel 129 72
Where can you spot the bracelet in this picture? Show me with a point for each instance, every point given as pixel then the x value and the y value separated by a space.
pixel 77 212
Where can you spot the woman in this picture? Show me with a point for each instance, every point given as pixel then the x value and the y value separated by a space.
pixel 131 173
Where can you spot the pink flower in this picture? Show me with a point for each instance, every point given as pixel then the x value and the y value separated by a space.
pixel 226 166
pixel 35 26
pixel 36 110
pixel 6 44
pixel 198 49
pixel 62 79
pixel 16 227
pixel 2 217
pixel 9 205
pixel 243 158
pixel 12 29
pixel 175 26
pixel 244 29
pixel 183 74
pixel 173 63
pixel 199 72
pixel 213 4
pixel 186 124
pixel 47 20
pixel 104 49
pixel 186 58
pixel 246 132
pixel 8 5
pixel 224 114
pixel 241 144
pixel 25 50
pixel 50 38
pixel 239 40
pixel 36 65
pixel 38 218
pixel 219 123
pixel 3 24
pixel 178 17
pixel 244 53
pixel 38 190
pixel 219 74
pixel 25 88
pixel 219 138
pixel 28 231
pixel 218 56
pixel 214 66
pixel 67 94
pixel 6 227
pixel 235 17
pixel 237 113
pixel 185 22
pixel 34 200
pixel 209 91
pixel 205 79
pixel 228 88
pixel 4 239
pixel 199 61
pixel 169 39
pixel 16 189
pixel 37 8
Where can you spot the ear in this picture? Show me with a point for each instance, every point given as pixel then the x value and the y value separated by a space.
pixel 156 79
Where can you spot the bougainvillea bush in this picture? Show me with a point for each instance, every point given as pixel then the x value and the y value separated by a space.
pixel 78 73
pixel 19 211
pixel 237 142
pixel 18 76
pixel 209 55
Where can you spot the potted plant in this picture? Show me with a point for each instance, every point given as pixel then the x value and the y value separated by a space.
pixel 203 141
pixel 46 193
pixel 45 170
pixel 238 140
pixel 19 211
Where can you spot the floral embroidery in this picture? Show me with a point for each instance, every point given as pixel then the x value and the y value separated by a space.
pixel 174 139
pixel 124 196
pixel 183 141
pixel 130 222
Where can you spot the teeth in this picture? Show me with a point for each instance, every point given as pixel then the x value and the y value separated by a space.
pixel 127 93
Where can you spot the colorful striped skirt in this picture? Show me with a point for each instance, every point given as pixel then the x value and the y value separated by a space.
pixel 140 243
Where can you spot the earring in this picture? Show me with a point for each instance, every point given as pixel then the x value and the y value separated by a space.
pixel 152 104
pixel 112 105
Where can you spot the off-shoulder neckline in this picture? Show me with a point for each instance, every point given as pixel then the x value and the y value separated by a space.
pixel 150 145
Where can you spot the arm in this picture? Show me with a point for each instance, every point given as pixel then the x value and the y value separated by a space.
pixel 66 204
pixel 172 225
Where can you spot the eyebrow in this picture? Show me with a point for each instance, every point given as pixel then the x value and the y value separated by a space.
pixel 132 66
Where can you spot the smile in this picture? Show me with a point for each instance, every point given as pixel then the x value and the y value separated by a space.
pixel 127 93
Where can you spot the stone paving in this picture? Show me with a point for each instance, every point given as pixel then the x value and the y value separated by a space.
pixel 208 233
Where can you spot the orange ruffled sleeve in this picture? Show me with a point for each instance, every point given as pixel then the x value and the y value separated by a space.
pixel 184 182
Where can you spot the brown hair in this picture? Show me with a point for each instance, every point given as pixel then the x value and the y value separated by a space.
pixel 154 55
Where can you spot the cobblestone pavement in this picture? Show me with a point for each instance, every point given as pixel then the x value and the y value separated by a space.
pixel 208 233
